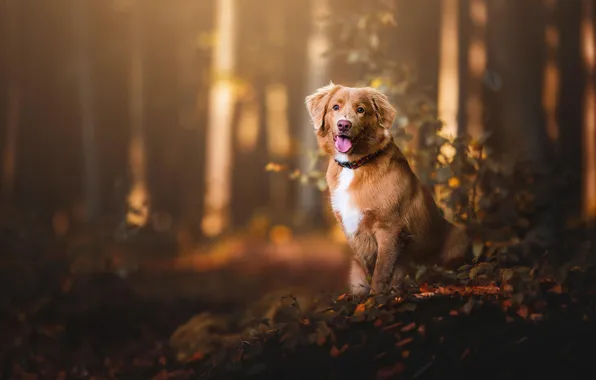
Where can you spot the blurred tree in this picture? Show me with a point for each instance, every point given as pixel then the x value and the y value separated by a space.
pixel 86 93
pixel 515 59
pixel 138 197
pixel 449 83
pixel 476 64
pixel 216 217
pixel 276 101
pixel 569 109
pixel 588 41
pixel 12 18
pixel 550 96
pixel 317 74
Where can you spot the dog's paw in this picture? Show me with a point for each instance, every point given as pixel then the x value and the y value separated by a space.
pixel 360 290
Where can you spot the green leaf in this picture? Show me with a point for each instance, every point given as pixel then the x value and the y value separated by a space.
pixel 486 266
pixel 507 274
pixel 464 267
pixel 407 307
pixel 477 248
pixel 474 272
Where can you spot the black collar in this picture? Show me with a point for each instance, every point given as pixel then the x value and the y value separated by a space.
pixel 358 163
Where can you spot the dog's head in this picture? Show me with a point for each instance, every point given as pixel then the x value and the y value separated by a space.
pixel 350 121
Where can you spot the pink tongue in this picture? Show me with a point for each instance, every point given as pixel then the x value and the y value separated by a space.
pixel 343 144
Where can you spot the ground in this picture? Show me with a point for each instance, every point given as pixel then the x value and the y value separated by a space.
pixel 246 309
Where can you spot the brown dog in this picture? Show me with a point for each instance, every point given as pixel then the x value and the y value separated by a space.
pixel 390 220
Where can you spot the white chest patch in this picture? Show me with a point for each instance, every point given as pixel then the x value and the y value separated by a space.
pixel 341 202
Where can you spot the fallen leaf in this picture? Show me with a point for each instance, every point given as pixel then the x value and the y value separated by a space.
pixel 403 342
pixel 453 313
pixel 506 305
pixel 386 328
pixel 557 289
pixel 360 308
pixel 335 352
pixel 342 297
pixel 467 308
pixel 477 247
pixel 389 372
pixel 454 182
pixel 409 327
pixel 523 311
pixel 465 353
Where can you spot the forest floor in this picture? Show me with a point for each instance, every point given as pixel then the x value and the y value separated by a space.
pixel 253 310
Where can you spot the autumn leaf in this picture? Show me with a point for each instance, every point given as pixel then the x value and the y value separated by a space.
pixel 557 289
pixel 403 342
pixel 390 327
pixel 335 352
pixel 454 182
pixel 390 372
pixel 376 83
pixel 477 247
pixel 465 353
pixel 360 308
pixel 342 297
pixel 409 327
pixel 523 311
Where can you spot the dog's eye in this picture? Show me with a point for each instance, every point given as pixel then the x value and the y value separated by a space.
pixel 360 110
pixel 336 107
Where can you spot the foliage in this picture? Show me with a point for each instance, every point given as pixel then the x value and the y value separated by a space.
pixel 505 204
pixel 388 336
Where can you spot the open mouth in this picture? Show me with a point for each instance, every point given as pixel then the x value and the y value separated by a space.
pixel 343 144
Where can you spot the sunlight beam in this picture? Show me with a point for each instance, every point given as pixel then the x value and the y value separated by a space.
pixel 219 131
pixel 448 91
pixel 589 119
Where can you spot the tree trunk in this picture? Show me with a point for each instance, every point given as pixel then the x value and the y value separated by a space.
pixel 569 109
pixel 216 218
pixel 138 197
pixel 476 63
pixel 551 79
pixel 87 104
pixel 12 17
pixel 516 56
pixel 309 202
pixel 589 116
pixel 449 68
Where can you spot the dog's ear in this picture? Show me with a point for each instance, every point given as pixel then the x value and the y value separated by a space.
pixel 316 104
pixel 384 110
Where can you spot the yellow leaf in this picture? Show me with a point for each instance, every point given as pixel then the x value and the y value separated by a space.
pixel 360 308
pixel 477 247
pixel 376 83
pixel 335 352
pixel 454 182
pixel 387 18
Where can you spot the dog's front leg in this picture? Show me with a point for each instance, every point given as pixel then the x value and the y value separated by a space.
pixel 388 251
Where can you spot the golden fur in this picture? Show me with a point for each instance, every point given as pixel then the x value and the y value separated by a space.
pixel 391 219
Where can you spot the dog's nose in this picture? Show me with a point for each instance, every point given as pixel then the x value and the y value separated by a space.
pixel 344 125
